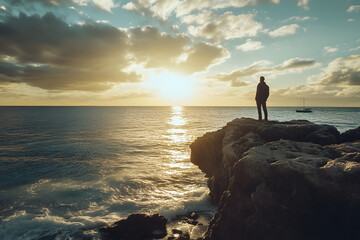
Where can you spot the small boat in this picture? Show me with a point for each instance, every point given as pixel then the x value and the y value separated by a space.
pixel 304 110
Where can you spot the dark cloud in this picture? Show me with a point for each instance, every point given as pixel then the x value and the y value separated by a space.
pixel 296 63
pixel 157 50
pixel 202 56
pixel 63 78
pixel 345 76
pixel 292 65
pixel 342 72
pixel 47 52
pixel 48 39
pixel 44 2
pixel 105 5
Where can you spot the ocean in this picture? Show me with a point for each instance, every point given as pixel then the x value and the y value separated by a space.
pixel 66 171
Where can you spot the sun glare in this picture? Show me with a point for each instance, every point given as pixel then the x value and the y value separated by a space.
pixel 171 86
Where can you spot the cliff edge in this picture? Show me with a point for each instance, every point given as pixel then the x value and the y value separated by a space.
pixel 281 180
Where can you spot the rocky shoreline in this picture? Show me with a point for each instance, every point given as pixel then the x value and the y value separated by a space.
pixel 270 180
pixel 281 180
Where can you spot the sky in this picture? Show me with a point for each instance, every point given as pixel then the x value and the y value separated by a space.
pixel 179 52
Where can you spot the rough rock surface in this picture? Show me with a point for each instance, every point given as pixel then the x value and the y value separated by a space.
pixel 351 135
pixel 136 226
pixel 281 180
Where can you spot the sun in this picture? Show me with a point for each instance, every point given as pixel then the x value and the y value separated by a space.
pixel 171 86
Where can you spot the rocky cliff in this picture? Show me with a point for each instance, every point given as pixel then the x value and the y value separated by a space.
pixel 281 180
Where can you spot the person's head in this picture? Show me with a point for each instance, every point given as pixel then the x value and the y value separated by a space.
pixel 262 79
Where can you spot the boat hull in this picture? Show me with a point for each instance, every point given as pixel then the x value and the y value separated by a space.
pixel 304 111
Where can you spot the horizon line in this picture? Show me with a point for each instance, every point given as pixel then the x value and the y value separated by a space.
pixel 167 106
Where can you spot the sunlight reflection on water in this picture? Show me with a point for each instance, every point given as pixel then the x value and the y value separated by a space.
pixel 179 159
pixel 177 118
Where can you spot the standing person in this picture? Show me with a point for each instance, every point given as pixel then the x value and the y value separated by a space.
pixel 262 94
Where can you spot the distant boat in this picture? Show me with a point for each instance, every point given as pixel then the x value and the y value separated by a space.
pixel 304 110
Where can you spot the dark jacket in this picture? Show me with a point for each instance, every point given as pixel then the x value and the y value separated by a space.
pixel 262 92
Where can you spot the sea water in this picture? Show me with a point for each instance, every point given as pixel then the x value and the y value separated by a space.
pixel 66 171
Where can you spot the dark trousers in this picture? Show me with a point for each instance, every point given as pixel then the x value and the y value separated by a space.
pixel 263 104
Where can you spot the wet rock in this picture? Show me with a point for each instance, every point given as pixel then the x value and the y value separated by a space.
pixel 281 180
pixel 179 235
pixel 190 218
pixel 136 226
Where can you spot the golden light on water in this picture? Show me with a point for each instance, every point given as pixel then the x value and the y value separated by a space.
pixel 176 121
pixel 176 131
pixel 177 110
pixel 177 135
pixel 177 118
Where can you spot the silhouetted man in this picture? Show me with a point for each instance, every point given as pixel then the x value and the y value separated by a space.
pixel 262 94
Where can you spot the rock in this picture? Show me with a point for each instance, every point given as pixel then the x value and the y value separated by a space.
pixel 179 235
pixel 281 180
pixel 136 226
pixel 193 215
pixel 351 135
pixel 176 231
pixel 190 218
pixel 216 153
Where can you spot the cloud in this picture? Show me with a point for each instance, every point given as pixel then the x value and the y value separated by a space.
pixel 261 67
pixel 198 19
pixel 227 26
pixel 159 50
pixel 284 30
pixel 44 2
pixel 299 19
pixel 160 9
pixel 58 56
pixel 341 72
pixel 330 49
pixel 188 6
pixel 202 56
pixel 105 5
pixel 316 94
pixel 164 8
pixel 103 21
pixel 304 4
pixel 353 8
pixel 92 56
pixel 299 91
pixel 156 49
pixel 152 8
pixel 250 45
pixel 319 95
pixel 354 49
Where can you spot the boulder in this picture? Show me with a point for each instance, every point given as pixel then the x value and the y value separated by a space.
pixel 190 218
pixel 179 235
pixel 350 135
pixel 281 180
pixel 215 153
pixel 136 226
